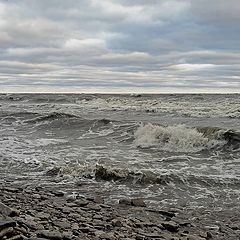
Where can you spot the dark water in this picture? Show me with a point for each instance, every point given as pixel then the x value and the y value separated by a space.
pixel 171 149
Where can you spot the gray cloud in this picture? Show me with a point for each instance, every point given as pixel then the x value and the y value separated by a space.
pixel 120 45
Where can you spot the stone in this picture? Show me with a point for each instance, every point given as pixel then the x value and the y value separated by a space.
pixel 16 237
pixel 162 212
pixel 12 190
pixel 7 211
pixel 209 236
pixel 5 232
pixel 6 224
pixel 125 201
pixel 87 229
pixel 62 224
pixel 138 202
pixel 55 235
pixel 75 226
pixel 58 193
pixel 234 226
pixel 153 235
pixel 117 222
pixel 98 199
pixel 104 235
pixel 42 215
pixel 194 237
pixel 53 171
pixel 82 202
pixel 171 226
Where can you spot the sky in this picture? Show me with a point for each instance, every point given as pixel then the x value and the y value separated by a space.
pixel 152 46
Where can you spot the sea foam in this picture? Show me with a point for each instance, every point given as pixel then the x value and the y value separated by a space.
pixel 177 138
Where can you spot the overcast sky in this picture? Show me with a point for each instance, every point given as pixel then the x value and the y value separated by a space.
pixel 120 45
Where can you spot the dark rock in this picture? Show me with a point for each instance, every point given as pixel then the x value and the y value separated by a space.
pixel 162 212
pixel 125 201
pixel 170 226
pixel 102 173
pixel 234 226
pixel 5 232
pixel 12 190
pixel 58 193
pixel 16 237
pixel 53 171
pixel 117 222
pixel 87 229
pixel 209 235
pixel 6 224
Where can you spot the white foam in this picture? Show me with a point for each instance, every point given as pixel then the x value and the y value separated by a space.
pixel 176 138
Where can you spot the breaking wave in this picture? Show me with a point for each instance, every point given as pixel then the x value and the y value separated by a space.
pixel 52 116
pixel 180 138
pixel 148 177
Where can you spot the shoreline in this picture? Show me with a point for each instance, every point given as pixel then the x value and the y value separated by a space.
pixel 47 213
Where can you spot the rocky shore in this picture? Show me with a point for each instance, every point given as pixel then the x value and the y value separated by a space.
pixel 40 213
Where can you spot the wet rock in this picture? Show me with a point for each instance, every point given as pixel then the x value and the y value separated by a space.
pixel 209 236
pixel 194 237
pixel 102 173
pixel 7 211
pixel 5 232
pixel 153 235
pixel 49 234
pixel 234 226
pixel 162 212
pixel 82 202
pixel 6 224
pixel 53 171
pixel 12 190
pixel 125 201
pixel 58 193
pixel 170 226
pixel 87 229
pixel 138 202
pixel 98 199
pixel 117 222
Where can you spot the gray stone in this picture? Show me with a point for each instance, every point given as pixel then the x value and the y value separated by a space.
pixel 82 202
pixel 50 234
pixel 7 211
pixel 138 202
pixel 117 222
pixel 42 215
pixel 125 201
pixel 6 224
pixel 62 224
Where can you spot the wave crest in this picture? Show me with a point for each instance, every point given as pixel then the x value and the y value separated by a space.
pixel 178 138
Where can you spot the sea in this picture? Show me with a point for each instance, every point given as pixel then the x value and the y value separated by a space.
pixel 170 149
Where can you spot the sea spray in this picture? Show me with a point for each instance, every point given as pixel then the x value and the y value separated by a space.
pixel 177 138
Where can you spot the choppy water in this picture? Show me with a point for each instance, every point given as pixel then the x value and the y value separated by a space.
pixel 171 149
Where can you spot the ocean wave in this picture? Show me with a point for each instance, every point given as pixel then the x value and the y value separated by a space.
pixel 52 116
pixel 148 177
pixel 180 138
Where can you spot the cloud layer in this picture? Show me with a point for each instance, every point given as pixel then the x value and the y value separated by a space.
pixel 119 46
